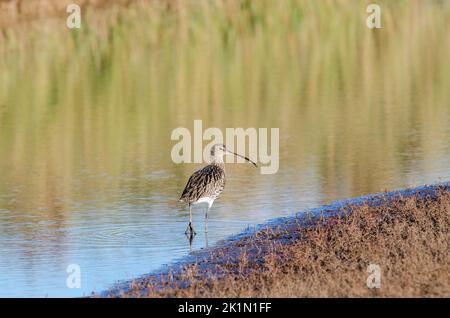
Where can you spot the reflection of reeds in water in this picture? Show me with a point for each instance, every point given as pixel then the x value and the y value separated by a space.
pixel 100 100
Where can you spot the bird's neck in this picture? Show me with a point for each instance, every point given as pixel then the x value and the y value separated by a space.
pixel 218 161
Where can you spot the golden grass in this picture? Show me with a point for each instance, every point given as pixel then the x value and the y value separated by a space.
pixel 408 238
pixel 19 11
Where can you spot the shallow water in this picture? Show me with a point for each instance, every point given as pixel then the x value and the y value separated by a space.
pixel 85 166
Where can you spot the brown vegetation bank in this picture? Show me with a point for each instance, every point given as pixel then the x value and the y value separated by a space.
pixel 331 254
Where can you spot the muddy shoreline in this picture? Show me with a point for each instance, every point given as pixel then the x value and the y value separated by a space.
pixel 282 230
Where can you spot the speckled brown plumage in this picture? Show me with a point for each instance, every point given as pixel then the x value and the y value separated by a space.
pixel 208 182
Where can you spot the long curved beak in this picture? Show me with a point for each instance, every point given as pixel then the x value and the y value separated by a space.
pixel 251 161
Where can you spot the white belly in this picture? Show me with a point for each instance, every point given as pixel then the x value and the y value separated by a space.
pixel 208 200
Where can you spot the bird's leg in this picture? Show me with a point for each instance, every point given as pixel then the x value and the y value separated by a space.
pixel 206 219
pixel 190 228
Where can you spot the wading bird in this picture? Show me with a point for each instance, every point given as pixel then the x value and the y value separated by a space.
pixel 206 184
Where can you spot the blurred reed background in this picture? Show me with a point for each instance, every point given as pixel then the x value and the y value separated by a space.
pixel 103 100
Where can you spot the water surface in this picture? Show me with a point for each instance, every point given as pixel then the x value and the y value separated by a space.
pixel 86 119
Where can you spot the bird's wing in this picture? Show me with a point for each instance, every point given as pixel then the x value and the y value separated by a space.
pixel 202 183
pixel 194 189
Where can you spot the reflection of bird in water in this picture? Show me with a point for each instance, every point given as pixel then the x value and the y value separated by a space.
pixel 206 184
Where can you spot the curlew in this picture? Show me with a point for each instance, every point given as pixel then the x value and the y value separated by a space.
pixel 206 184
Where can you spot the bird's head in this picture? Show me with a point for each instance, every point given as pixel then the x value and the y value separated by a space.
pixel 220 150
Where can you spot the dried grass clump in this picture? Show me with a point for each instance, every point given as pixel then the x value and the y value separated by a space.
pixel 408 238
pixel 18 11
